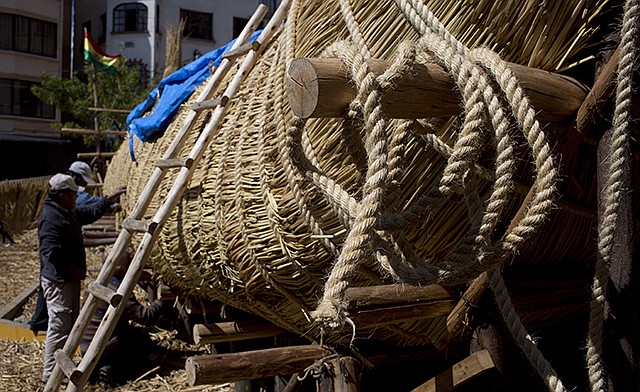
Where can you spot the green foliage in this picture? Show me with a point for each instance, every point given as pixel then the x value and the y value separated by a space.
pixel 120 89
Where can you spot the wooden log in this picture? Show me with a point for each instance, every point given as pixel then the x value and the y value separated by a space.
pixel 319 87
pixel 106 110
pixel 342 376
pixel 91 242
pixel 94 132
pixel 461 373
pixel 99 234
pixel 12 308
pixel 214 369
pixel 402 313
pixel 85 155
pixel 362 297
pixel 234 330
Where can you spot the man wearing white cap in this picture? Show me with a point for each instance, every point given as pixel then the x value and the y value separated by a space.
pixel 62 259
pixel 82 175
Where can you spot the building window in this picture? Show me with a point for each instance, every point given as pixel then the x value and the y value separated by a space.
pixel 197 24
pixel 102 37
pixel 29 35
pixel 130 17
pixel 238 25
pixel 16 99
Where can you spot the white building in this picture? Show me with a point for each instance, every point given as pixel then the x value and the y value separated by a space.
pixel 34 39
pixel 138 29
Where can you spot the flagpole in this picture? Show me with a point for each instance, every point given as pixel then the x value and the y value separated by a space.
pixel 96 118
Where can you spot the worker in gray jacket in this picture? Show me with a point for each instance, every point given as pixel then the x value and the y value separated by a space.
pixel 62 259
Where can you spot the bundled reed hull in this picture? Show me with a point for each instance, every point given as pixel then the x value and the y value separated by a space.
pixel 242 232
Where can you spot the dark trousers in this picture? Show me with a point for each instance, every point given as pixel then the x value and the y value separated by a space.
pixel 40 318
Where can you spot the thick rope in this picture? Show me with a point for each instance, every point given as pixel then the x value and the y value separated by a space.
pixel 612 193
pixel 365 217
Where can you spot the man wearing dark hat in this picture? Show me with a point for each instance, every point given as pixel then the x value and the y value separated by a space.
pixel 62 259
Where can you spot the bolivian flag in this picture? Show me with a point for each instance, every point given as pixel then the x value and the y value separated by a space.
pixel 95 55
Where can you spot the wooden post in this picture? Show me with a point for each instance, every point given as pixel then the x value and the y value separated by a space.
pixel 96 118
pixel 319 87
pixel 621 342
pixel 213 369
pixel 340 375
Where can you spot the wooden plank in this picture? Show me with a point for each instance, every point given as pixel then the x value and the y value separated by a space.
pixel 319 87
pixel 12 308
pixel 459 374
pixel 248 365
pixel 234 330
pixel 81 131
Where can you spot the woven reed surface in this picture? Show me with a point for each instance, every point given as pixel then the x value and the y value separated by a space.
pixel 238 234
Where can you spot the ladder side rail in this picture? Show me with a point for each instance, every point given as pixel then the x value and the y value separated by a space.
pixel 151 187
pixel 144 249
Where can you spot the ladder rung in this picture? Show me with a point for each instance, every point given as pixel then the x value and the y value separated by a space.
pixel 254 45
pixel 104 293
pixel 209 103
pixel 174 162
pixel 67 366
pixel 140 226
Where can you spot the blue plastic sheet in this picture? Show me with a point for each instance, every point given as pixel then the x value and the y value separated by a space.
pixel 172 91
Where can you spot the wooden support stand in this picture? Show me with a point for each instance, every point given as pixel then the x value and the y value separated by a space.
pixel 342 375
pixel 459 374
pixel 319 87
pixel 234 330
pixel 213 369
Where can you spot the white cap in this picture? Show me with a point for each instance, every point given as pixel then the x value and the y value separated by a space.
pixel 61 182
pixel 83 170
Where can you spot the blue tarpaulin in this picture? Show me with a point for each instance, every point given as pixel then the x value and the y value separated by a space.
pixel 173 91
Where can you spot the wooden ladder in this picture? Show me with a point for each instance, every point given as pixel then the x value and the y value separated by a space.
pixel 99 291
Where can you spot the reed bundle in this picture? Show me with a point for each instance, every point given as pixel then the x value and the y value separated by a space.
pixel 21 202
pixel 240 233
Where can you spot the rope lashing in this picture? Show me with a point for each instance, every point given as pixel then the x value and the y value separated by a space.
pixel 619 161
pixel 367 220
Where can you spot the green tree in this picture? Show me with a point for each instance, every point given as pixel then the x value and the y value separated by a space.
pixel 122 88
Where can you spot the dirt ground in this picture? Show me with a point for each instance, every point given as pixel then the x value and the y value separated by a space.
pixel 21 362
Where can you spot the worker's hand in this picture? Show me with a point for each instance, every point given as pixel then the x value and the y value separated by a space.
pixel 116 207
pixel 115 196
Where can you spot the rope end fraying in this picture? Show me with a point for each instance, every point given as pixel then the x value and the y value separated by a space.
pixel 330 315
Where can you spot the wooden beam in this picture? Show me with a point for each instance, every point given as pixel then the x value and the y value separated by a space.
pixel 459 374
pixel 361 297
pixel 93 132
pixel 85 155
pixel 234 330
pixel 401 313
pixel 12 308
pixel 123 111
pixel 319 87
pixel 248 365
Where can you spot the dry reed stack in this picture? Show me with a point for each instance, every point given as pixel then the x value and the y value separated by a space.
pixel 279 201
pixel 21 202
